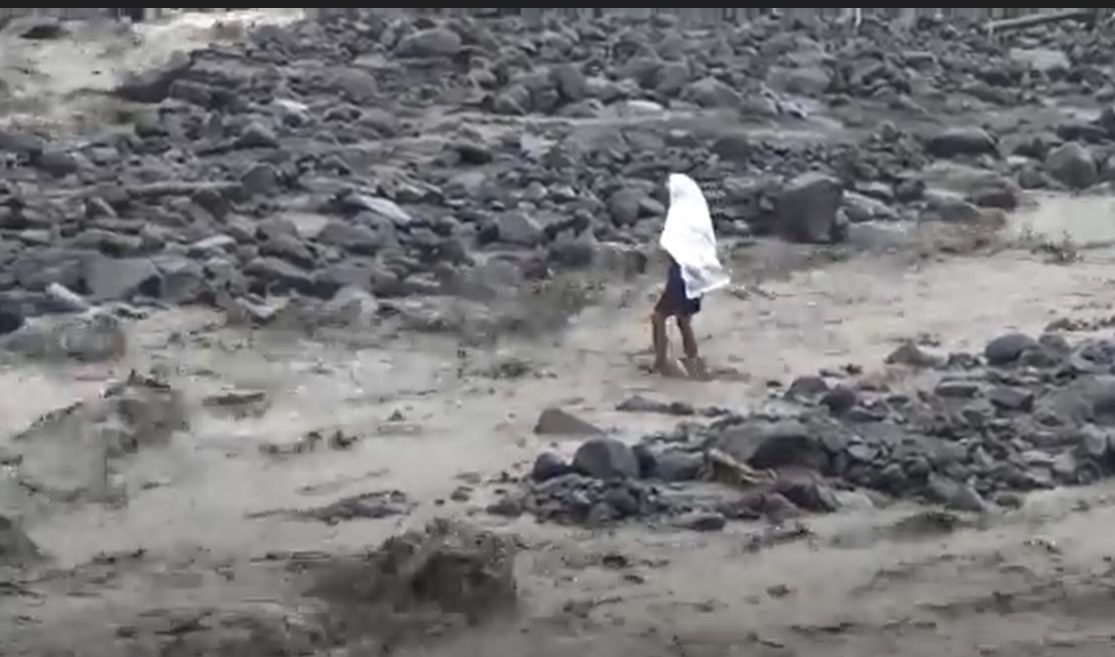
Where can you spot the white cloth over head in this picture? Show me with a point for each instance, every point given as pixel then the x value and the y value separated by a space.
pixel 689 238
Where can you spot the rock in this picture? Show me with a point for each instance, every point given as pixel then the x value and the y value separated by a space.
pixel 1011 399
pixel 350 307
pixel 374 209
pixel 448 568
pixel 952 142
pixel 701 521
pixel 549 466
pixel 862 209
pixel 788 444
pixel 69 300
pixel 712 93
pixel 1006 349
pixel 90 338
pixel 839 400
pixel 257 135
pixel 1046 60
pixel 11 320
pixel 506 507
pixel 153 85
pixel 808 494
pixel 1072 165
pixel 956 496
pixel 518 228
pixel 433 42
pixel 16 548
pixel 570 82
pixel 807 209
pixel 914 356
pixel 356 86
pixel 675 466
pixel 807 388
pixel 111 279
pixel 556 422
pixel 37 28
pixel 810 81
pixel 606 458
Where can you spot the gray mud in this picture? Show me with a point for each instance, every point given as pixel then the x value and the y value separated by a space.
pixel 231 486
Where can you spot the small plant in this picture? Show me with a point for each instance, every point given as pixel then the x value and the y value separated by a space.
pixel 1060 252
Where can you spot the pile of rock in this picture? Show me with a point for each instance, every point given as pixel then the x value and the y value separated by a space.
pixel 419 583
pixel 1027 414
pixel 399 157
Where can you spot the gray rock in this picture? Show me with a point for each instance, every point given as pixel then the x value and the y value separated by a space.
pixel 810 81
pixel 701 521
pixel 519 229
pixel 676 466
pixel 861 208
pixel 1072 165
pixel 356 86
pixel 1006 349
pixel 808 494
pixel 712 93
pixel 375 208
pixel 433 42
pixel 513 101
pixel 807 209
pixel 606 458
pixel 951 142
pixel 570 82
pixel 257 135
pixel 788 443
pixel 549 466
pixel 1046 60
pixel 110 279
pixel 353 238
pixel 16 547
pixel 90 338
pixel 557 422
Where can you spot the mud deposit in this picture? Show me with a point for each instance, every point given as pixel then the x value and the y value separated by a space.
pixel 330 338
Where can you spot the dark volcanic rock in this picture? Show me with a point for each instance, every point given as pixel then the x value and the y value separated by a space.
pixel 556 422
pixel 1039 414
pixel 1072 165
pixel 606 458
pixel 351 153
pixel 961 141
pixel 808 209
pixel 417 579
pixel 1007 349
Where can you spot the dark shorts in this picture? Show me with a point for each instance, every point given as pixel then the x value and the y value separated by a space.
pixel 673 302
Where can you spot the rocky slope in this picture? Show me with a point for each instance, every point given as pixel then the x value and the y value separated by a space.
pixel 398 158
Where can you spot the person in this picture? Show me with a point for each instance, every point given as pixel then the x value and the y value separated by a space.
pixel 694 271
pixel 674 302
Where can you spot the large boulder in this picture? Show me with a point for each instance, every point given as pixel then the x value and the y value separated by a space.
pixel 606 458
pixel 808 209
pixel 952 142
pixel 1072 165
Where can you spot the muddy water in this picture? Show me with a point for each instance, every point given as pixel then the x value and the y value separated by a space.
pixel 425 431
pixel 50 81
pixel 1084 221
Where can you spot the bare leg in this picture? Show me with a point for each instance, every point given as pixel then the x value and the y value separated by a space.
pixel 694 366
pixel 663 364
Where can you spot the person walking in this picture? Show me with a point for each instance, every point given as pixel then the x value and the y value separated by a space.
pixel 694 270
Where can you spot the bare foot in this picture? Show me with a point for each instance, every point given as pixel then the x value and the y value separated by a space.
pixel 671 368
pixel 696 368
